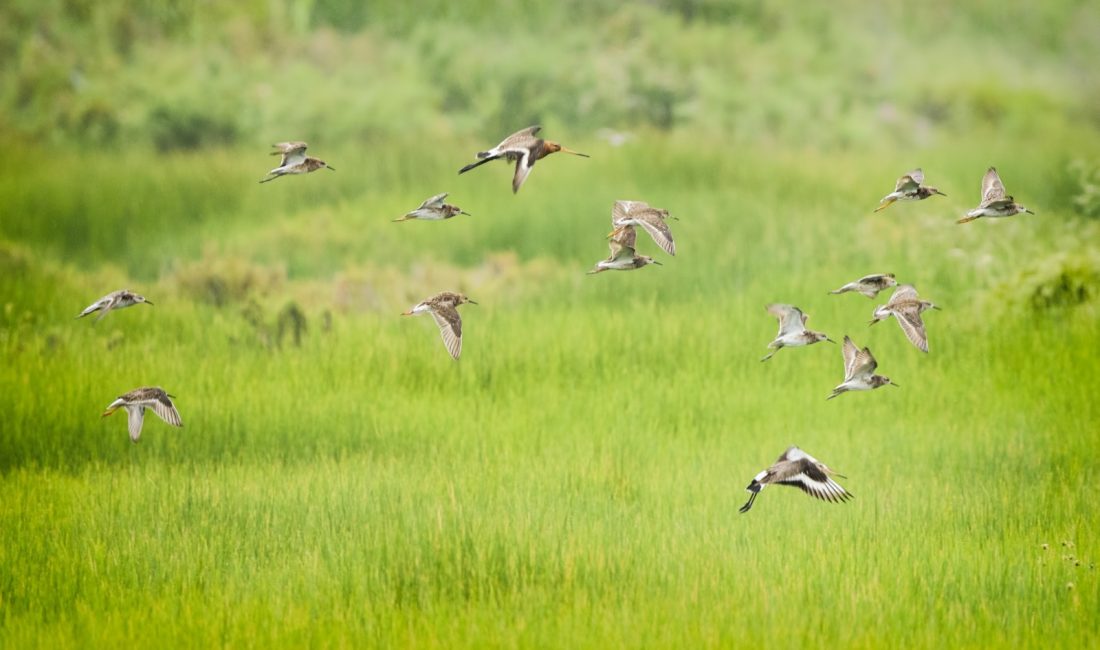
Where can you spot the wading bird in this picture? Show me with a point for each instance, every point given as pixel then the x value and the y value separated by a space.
pixel 294 161
pixel 792 329
pixel 120 299
pixel 869 285
pixel 801 470
pixel 523 147
pixel 434 209
pixel 906 307
pixel 444 309
pixel 859 370
pixel 638 213
pixel 136 401
pixel 994 202
pixel 623 255
pixel 908 188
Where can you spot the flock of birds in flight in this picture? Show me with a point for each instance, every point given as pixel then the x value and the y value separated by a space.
pixel 794 467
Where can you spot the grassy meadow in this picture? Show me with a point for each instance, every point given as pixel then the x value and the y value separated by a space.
pixel 574 479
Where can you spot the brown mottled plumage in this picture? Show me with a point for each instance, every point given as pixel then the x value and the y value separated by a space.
pixel 136 401
pixel 444 309
pixel 294 161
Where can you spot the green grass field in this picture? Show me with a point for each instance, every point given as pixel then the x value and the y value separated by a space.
pixel 574 480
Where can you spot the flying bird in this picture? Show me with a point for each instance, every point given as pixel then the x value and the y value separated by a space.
pixel 994 202
pixel 869 285
pixel 525 149
pixel 136 401
pixel 444 309
pixel 908 188
pixel 434 209
pixel 294 161
pixel 639 213
pixel 792 329
pixel 801 470
pixel 120 299
pixel 859 370
pixel 906 307
pixel 623 257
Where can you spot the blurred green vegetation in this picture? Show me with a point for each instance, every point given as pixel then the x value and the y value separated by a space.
pixel 182 75
pixel 573 480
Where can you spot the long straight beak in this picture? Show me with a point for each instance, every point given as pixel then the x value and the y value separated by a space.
pixel 1028 211
pixel 465 213
pixel 830 341
pixel 894 385
pixel 657 263
pixel 575 153
pixel 470 302
pixel 331 169
pixel 939 192
pixel 149 303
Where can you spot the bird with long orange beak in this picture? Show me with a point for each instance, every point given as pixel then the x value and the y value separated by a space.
pixel 525 148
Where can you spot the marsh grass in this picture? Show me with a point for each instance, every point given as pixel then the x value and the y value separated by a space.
pixel 574 479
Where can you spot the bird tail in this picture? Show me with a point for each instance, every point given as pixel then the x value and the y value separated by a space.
pixel 483 160
pixel 885 204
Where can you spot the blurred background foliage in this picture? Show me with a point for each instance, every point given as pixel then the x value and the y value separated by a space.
pixel 175 75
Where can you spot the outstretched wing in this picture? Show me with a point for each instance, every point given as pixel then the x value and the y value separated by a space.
pixel 791 319
pixel 520 139
pixel 624 209
pixel 658 229
pixel 434 202
pixel 863 365
pixel 809 478
pixel 626 238
pixel 450 327
pixel 136 416
pixel 908 317
pixel 850 352
pixel 164 408
pixel 294 153
pixel 909 183
pixel 992 188
pixel 523 167
pixel 904 293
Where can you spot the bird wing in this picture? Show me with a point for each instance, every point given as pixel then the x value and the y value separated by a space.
pixel 904 293
pixel 294 153
pixel 791 320
pixel 108 303
pixel 626 238
pixel 909 183
pixel 523 167
pixel 657 228
pixel 434 202
pixel 164 408
pixel 992 188
pixel 136 415
pixel 850 352
pixel 863 365
pixel 624 209
pixel 520 139
pixel 99 304
pixel 808 477
pixel 450 327
pixel 908 318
